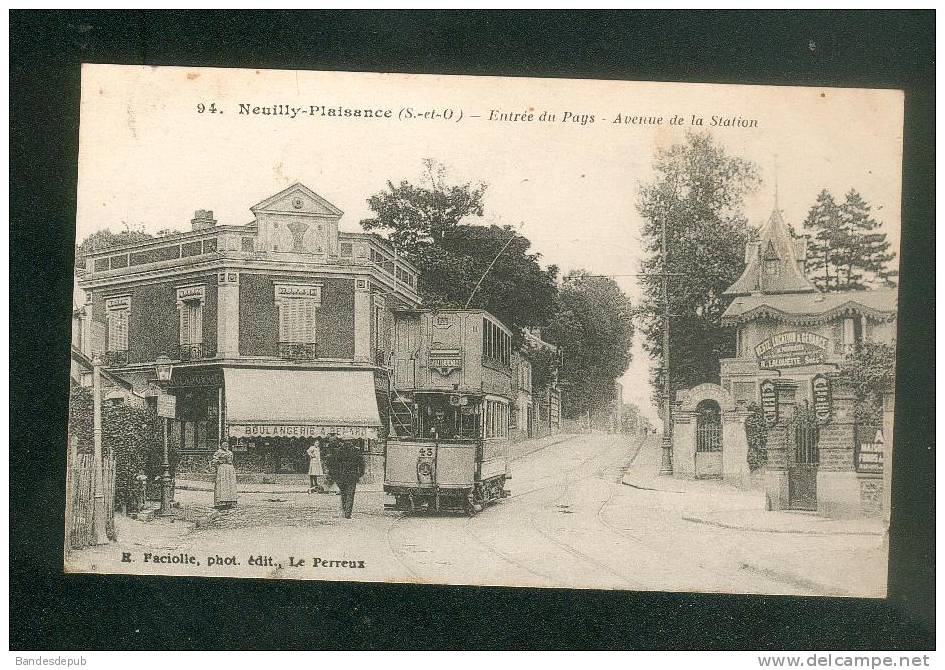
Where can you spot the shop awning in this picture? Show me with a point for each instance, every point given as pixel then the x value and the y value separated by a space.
pixel 300 403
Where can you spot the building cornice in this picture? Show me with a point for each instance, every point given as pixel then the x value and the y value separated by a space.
pixel 246 263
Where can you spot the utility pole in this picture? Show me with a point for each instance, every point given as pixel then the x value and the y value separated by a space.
pixel 99 534
pixel 666 466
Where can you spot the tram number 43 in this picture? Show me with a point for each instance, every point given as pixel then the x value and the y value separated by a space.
pixel 426 452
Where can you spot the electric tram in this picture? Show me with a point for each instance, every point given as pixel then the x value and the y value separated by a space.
pixel 449 410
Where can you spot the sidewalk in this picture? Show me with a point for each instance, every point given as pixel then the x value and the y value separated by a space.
pixel 516 451
pixel 717 504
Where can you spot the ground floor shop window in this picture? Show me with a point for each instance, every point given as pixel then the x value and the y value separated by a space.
pixel 197 425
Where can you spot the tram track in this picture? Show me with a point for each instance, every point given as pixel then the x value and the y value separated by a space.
pixel 566 486
pixel 397 555
pixel 575 474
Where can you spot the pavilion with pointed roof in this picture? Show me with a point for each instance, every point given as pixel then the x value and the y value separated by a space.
pixel 785 326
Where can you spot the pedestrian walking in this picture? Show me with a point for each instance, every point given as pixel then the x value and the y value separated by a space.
pixel 224 488
pixel 346 466
pixel 328 485
pixel 315 469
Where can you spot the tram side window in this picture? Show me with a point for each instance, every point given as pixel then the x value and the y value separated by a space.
pixel 496 344
pixel 495 419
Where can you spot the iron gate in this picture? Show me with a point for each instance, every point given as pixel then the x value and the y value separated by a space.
pixel 708 440
pixel 802 474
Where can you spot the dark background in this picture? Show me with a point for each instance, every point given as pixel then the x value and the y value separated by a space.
pixel 50 610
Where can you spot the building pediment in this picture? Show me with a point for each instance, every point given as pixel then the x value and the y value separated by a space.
pixel 297 199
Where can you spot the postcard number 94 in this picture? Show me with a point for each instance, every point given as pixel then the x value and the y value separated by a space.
pixel 211 108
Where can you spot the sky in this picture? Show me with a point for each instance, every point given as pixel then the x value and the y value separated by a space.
pixel 148 157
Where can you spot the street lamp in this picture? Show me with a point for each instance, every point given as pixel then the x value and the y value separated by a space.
pixel 164 369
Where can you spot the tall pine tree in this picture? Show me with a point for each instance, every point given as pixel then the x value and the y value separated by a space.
pixel 846 251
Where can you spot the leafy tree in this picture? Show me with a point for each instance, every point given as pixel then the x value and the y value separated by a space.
pixel 869 370
pixel 756 433
pixel 130 434
pixel 103 239
pixel 426 225
pixel 416 217
pixel 697 194
pixel 594 329
pixel 846 253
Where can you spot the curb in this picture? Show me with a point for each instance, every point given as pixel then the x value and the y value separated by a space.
pixel 191 486
pixel 632 483
pixel 755 529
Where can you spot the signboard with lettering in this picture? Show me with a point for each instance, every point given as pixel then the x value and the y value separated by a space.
pixel 190 293
pixel 791 349
pixel 871 454
pixel 311 291
pixel 189 377
pixel 820 386
pixel 167 406
pixel 446 361
pixel 250 430
pixel 769 402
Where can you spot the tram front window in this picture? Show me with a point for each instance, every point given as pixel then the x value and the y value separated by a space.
pixel 439 419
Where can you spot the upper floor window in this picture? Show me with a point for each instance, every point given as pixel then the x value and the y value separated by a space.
pixel 347 249
pixel 298 305
pixel 116 320
pixel 190 301
pixel 377 327
pixel 496 344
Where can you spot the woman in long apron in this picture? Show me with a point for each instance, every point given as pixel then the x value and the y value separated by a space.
pixel 224 488
pixel 315 469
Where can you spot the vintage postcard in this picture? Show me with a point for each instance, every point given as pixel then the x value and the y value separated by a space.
pixel 480 330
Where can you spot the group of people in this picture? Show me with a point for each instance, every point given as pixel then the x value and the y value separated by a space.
pixel 339 461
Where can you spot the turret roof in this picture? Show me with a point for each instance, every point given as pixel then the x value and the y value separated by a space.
pixel 782 254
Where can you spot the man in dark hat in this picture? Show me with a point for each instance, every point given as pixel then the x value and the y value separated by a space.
pixel 346 466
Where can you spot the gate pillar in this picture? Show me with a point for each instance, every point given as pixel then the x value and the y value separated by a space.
pixel 735 454
pixel 781 447
pixel 838 488
pixel 684 441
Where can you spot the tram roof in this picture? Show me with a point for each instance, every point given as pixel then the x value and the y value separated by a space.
pixel 413 310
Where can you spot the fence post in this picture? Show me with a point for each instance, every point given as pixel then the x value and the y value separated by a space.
pixel 99 533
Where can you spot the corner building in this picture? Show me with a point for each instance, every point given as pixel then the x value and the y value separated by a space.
pixel 280 330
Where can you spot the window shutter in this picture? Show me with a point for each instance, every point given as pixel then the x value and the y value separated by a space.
pixel 284 322
pixel 185 323
pixel 118 330
pixel 198 322
pixel 309 321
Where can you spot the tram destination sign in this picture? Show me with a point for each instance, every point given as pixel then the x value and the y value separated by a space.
pixel 792 349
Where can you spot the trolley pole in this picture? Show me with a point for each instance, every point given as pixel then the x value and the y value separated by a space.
pixel 99 534
pixel 666 466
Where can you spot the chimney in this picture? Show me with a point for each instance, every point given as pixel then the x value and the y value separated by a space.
pixel 203 218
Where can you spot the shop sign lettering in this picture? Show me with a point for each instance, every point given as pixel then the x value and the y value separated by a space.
pixel 769 402
pixel 289 430
pixel 822 401
pixel 791 349
pixel 871 454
